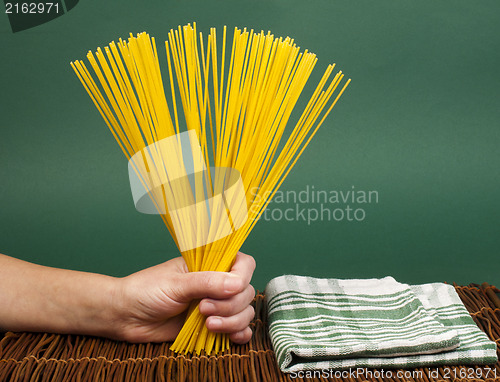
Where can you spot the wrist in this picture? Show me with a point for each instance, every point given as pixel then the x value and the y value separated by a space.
pixel 90 305
pixel 119 314
pixel 109 311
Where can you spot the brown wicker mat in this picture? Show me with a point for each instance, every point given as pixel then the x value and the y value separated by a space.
pixel 51 357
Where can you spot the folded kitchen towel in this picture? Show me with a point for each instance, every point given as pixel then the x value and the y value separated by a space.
pixel 335 324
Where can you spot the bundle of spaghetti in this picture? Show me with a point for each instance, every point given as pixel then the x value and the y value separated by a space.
pixel 238 104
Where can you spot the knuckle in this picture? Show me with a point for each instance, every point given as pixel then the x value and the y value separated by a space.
pixel 251 313
pixel 249 295
pixel 209 281
pixel 253 263
pixel 251 291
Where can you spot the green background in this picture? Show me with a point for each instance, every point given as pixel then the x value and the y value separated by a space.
pixel 419 124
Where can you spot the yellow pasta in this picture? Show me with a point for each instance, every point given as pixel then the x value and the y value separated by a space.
pixel 237 107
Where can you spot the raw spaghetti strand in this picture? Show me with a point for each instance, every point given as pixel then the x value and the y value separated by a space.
pixel 239 117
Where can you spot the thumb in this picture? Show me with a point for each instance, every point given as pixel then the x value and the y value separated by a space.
pixel 199 285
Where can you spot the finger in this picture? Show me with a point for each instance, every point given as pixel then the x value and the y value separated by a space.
pixel 228 307
pixel 198 285
pixel 243 266
pixel 241 337
pixel 231 324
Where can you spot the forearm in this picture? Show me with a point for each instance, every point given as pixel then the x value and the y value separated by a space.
pixel 38 298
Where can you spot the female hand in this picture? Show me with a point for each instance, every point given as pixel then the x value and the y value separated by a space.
pixel 153 302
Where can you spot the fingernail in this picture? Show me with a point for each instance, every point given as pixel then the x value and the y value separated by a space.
pixel 232 283
pixel 208 307
pixel 215 323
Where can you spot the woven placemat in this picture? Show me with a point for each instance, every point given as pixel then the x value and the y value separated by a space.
pixel 51 357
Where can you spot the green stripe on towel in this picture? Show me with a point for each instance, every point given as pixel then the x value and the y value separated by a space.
pixel 336 324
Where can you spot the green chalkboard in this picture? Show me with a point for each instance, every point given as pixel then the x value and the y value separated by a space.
pixel 405 171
